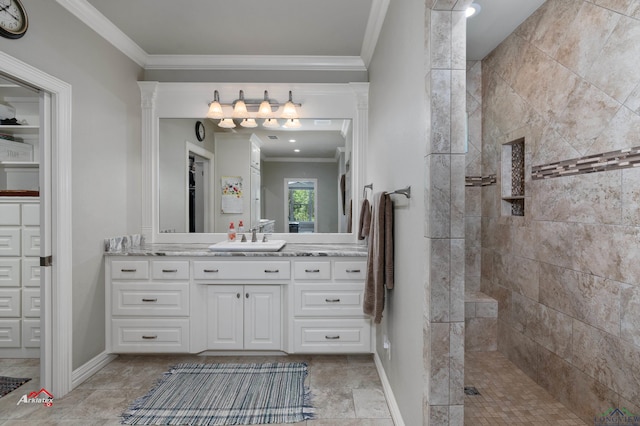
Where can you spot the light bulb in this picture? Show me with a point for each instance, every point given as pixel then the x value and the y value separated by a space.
pixel 249 122
pixel 289 110
pixel 227 123
pixel 240 108
pixel 264 111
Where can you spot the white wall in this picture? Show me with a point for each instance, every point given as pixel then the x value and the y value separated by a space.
pixel 398 124
pixel 106 150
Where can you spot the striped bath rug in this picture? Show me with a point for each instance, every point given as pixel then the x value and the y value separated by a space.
pixel 9 384
pixel 225 394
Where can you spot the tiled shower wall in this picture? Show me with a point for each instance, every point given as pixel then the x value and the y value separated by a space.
pixel 473 167
pixel 567 274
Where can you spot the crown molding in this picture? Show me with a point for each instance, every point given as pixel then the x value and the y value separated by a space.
pixel 372 31
pixel 256 62
pixel 95 20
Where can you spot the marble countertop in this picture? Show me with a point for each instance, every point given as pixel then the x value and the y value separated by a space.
pixel 289 250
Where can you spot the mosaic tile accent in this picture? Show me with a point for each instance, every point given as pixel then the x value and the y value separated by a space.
pixel 612 160
pixel 517 168
pixel 517 207
pixel 480 180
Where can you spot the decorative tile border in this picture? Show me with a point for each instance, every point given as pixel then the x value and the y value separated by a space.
pixel 613 160
pixel 479 180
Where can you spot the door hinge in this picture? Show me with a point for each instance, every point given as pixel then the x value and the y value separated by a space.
pixel 46 261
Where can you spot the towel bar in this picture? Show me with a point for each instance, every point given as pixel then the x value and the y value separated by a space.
pixel 404 191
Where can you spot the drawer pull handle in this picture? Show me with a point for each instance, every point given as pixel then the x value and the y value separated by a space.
pixel 210 270
pixel 149 337
pixel 332 337
pixel 271 271
pixel 332 300
pixel 353 270
pixel 128 270
pixel 150 300
pixel 169 270
pixel 312 270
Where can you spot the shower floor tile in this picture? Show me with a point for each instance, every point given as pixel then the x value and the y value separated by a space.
pixel 508 396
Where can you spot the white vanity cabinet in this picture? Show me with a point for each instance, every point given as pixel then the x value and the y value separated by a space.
pixel 327 307
pixel 147 305
pixel 244 317
pixel 194 304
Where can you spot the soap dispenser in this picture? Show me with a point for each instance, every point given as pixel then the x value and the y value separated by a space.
pixel 241 232
pixel 231 234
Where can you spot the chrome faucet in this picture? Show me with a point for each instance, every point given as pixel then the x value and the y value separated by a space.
pixel 254 237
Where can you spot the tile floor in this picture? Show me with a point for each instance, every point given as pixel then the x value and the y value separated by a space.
pixel 346 390
pixel 508 396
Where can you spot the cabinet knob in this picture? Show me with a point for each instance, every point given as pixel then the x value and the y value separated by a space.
pixel 246 295
pixel 238 295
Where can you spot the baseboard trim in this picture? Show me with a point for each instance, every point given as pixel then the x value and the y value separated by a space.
pixel 388 392
pixel 79 375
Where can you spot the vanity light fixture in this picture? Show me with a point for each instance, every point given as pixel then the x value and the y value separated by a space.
pixel 250 109
pixel 472 10
pixel 215 109
pixel 248 122
pixel 292 123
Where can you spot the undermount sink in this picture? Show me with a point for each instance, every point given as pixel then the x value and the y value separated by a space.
pixel 272 245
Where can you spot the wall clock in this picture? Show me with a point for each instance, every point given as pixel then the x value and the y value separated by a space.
pixel 13 19
pixel 199 131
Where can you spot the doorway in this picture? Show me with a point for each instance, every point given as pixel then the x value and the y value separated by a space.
pixel 199 199
pixel 55 221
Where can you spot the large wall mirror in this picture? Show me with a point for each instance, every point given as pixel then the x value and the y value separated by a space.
pixel 300 184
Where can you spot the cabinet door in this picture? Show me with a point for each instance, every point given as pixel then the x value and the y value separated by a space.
pixel 262 317
pixel 225 316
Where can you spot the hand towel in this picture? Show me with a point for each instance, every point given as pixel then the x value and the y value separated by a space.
pixel 365 219
pixel 379 274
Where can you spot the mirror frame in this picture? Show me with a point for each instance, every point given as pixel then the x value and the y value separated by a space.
pixel 190 100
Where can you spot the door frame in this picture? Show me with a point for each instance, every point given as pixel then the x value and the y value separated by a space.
pixel 55 201
pixel 208 156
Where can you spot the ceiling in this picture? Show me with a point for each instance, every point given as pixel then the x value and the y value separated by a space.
pixel 274 34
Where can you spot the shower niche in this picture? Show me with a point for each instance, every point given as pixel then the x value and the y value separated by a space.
pixel 513 194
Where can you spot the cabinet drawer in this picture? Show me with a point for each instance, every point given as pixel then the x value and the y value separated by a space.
pixel 31 242
pixel 312 270
pixel 31 272
pixel 332 336
pixel 150 335
pixel 150 299
pixel 9 214
pixel 168 270
pixel 328 299
pixel 10 333
pixel 10 242
pixel 225 270
pixel 31 214
pixel 31 333
pixel 9 272
pixel 10 303
pixel 31 302
pixel 129 269
pixel 355 270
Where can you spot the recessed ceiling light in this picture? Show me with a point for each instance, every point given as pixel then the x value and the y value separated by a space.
pixel 296 150
pixel 473 10
pixel 292 140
